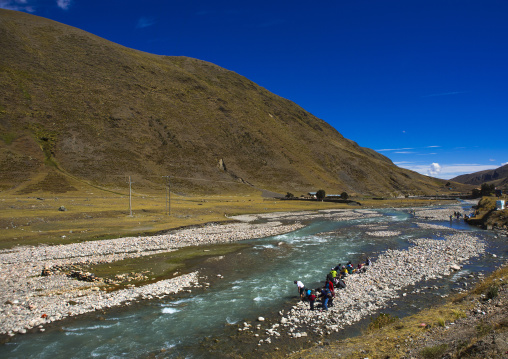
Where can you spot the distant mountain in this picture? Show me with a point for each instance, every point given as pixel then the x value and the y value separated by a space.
pixel 73 104
pixel 498 177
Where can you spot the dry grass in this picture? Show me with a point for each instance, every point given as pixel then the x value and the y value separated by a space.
pixel 97 213
pixel 92 213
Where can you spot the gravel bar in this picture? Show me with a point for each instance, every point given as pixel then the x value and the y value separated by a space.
pixel 29 300
pixel 367 292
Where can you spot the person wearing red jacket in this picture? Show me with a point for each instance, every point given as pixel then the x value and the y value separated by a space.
pixel 312 298
pixel 331 288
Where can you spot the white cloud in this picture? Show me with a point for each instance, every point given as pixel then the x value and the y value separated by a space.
pixel 30 5
pixel 63 4
pixel 394 149
pixel 434 169
pixel 446 171
pixel 145 22
pixel 404 149
pixel 505 163
pixel 18 5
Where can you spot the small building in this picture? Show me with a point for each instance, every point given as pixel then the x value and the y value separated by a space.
pixel 333 196
pixel 500 205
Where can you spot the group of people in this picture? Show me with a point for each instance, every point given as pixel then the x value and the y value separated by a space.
pixel 335 279
pixel 456 214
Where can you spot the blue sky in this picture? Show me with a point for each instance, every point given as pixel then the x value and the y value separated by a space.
pixel 424 82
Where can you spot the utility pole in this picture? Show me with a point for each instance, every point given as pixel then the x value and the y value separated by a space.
pixel 130 196
pixel 168 195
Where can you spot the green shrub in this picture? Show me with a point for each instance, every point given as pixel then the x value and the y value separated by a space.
pixel 434 352
pixel 458 313
pixel 483 329
pixel 492 292
pixel 381 321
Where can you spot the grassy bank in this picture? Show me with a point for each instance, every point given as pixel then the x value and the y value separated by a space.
pixel 156 267
pixel 31 220
pixel 487 216
pixel 90 213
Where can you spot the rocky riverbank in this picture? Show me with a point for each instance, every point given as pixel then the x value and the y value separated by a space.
pixel 470 325
pixel 438 215
pixel 37 288
pixel 332 214
pixel 36 291
pixel 384 280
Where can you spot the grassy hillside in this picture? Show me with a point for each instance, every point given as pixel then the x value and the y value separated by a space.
pixel 75 104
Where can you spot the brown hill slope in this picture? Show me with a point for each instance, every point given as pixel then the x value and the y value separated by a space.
pixel 498 177
pixel 97 111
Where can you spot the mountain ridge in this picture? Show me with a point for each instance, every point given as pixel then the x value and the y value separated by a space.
pixel 497 176
pixel 96 110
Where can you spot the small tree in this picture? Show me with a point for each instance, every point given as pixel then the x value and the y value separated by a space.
pixel 289 195
pixel 344 195
pixel 476 193
pixel 321 194
pixel 487 189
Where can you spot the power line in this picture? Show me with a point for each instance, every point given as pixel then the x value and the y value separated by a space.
pixel 168 195
pixel 209 180
pixel 130 196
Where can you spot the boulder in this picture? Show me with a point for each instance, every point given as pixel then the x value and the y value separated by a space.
pixel 455 267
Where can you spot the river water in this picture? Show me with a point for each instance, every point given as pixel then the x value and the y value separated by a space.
pixel 257 281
